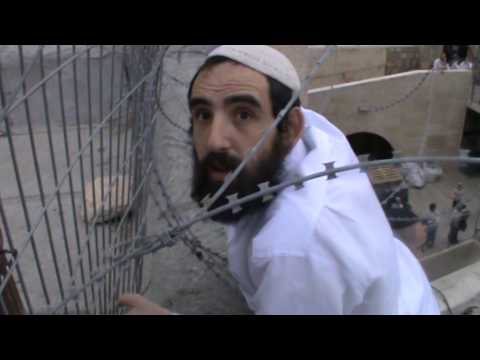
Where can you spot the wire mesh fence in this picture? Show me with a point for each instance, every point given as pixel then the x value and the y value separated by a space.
pixel 76 160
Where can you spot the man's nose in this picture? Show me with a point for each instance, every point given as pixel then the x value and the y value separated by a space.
pixel 218 139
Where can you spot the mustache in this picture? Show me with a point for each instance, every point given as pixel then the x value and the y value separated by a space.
pixel 220 161
pixel 267 169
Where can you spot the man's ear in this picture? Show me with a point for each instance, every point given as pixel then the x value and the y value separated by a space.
pixel 294 130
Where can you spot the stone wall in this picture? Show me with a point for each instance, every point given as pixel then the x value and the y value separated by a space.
pixel 428 54
pixel 402 59
pixel 441 99
pixel 349 63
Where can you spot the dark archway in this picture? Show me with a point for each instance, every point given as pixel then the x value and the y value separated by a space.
pixel 376 146
pixel 384 184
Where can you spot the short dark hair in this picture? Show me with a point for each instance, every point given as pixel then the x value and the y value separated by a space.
pixel 280 94
pixel 433 207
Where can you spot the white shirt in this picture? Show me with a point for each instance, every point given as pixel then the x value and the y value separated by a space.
pixel 438 64
pixel 464 65
pixel 434 217
pixel 326 248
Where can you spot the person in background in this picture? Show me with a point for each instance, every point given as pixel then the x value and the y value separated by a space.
pixel 451 52
pixel 464 215
pixel 458 223
pixel 432 220
pixel 441 64
pixel 455 53
pixel 407 226
pixel 457 195
pixel 463 65
pixel 464 59
pixel 454 226
pixel 397 204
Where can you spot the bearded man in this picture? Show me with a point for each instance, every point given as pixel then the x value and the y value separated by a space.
pixel 324 248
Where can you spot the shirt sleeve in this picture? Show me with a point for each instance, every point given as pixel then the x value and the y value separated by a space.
pixel 290 285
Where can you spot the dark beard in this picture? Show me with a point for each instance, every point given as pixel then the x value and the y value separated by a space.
pixel 245 184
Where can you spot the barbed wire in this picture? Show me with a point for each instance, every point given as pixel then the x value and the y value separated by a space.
pixel 151 244
pixel 267 191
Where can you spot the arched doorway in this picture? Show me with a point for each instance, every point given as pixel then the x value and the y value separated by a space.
pixel 387 181
pixel 373 145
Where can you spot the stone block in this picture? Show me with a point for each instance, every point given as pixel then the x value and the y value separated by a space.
pixel 113 204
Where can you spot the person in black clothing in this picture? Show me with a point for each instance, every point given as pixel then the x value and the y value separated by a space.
pixel 406 225
pixel 455 53
pixel 458 223
pixel 431 222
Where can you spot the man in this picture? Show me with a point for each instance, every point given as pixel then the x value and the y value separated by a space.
pixel 464 65
pixel 406 225
pixel 465 61
pixel 455 52
pixel 465 214
pixel 458 222
pixel 457 195
pixel 325 248
pixel 432 220
pixel 441 64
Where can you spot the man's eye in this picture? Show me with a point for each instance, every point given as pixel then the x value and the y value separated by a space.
pixel 202 115
pixel 244 115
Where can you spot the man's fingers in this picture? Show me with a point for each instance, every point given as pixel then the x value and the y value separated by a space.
pixel 138 305
pixel 133 300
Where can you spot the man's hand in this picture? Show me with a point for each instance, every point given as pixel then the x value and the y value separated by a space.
pixel 140 306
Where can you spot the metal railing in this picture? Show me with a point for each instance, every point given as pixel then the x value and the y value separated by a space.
pixel 77 125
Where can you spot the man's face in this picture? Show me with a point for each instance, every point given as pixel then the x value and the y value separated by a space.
pixel 231 108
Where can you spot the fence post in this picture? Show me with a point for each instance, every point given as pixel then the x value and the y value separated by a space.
pixel 10 295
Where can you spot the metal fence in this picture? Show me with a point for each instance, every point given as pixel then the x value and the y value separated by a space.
pixel 76 132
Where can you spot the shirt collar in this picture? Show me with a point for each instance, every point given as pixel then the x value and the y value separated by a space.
pixel 293 160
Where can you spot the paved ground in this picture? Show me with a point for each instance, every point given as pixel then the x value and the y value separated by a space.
pixel 62 243
pixel 440 193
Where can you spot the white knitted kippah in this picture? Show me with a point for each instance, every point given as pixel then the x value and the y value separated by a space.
pixel 263 59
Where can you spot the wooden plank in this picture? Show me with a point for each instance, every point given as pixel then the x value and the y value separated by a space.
pixel 10 295
pixel 385 174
